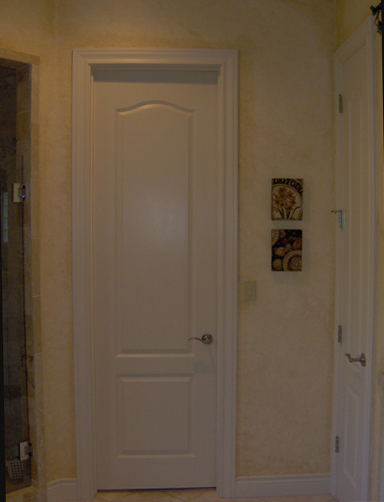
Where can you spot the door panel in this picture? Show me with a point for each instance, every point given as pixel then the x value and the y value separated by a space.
pixel 164 403
pixel 155 218
pixel 356 269
pixel 154 183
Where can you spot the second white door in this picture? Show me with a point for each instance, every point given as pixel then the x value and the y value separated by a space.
pixel 356 264
pixel 154 239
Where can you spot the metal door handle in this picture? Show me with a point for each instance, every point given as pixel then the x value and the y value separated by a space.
pixel 360 359
pixel 207 338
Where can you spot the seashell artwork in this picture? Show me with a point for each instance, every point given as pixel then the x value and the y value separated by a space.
pixel 287 199
pixel 287 248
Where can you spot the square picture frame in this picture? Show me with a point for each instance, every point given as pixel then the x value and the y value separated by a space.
pixel 287 199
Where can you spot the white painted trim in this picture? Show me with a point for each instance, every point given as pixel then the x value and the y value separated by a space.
pixel 225 63
pixel 280 486
pixel 381 496
pixel 364 35
pixel 62 490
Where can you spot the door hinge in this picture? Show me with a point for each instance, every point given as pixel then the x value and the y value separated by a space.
pixel 19 192
pixel 341 104
pixel 337 444
pixel 340 217
pixel 339 334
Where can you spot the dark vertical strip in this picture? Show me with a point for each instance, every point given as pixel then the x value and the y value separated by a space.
pixel 2 445
pixel 377 12
pixel 382 65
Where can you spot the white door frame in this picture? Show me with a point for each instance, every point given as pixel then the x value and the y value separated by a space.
pixel 225 63
pixel 363 36
pixel 381 483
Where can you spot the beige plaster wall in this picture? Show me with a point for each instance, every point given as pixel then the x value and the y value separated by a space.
pixel 286 130
pixel 350 15
pixel 29 28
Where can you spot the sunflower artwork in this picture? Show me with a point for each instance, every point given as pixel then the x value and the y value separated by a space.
pixel 287 199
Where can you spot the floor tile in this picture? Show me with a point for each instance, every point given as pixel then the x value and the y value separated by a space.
pixel 216 498
pixel 252 499
pixel 186 495
pixel 208 496
pixel 108 496
pixel 195 495
pixel 301 498
pixel 147 496
pixel 248 499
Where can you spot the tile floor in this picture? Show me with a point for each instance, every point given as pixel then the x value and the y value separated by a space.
pixel 196 495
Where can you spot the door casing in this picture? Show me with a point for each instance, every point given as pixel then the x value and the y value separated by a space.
pixel 225 62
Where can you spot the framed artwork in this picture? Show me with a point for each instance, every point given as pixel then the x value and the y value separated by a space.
pixel 287 248
pixel 287 198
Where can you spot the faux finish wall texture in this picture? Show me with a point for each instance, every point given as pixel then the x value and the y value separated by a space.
pixel 286 130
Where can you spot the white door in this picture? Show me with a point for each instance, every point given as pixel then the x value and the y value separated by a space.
pixel 154 236
pixel 356 264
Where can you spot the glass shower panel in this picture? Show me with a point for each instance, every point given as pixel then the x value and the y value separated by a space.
pixel 16 429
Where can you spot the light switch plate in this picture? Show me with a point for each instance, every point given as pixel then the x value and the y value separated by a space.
pixel 24 448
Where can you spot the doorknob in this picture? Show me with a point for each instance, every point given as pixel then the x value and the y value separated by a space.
pixel 360 359
pixel 207 339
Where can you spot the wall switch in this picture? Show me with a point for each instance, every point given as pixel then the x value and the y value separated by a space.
pixel 25 450
pixel 249 291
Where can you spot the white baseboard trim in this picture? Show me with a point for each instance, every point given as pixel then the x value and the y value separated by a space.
pixel 280 486
pixel 62 490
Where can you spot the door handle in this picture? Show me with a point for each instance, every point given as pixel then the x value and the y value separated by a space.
pixel 207 339
pixel 360 359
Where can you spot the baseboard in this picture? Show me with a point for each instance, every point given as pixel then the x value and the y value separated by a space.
pixel 280 486
pixel 62 490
